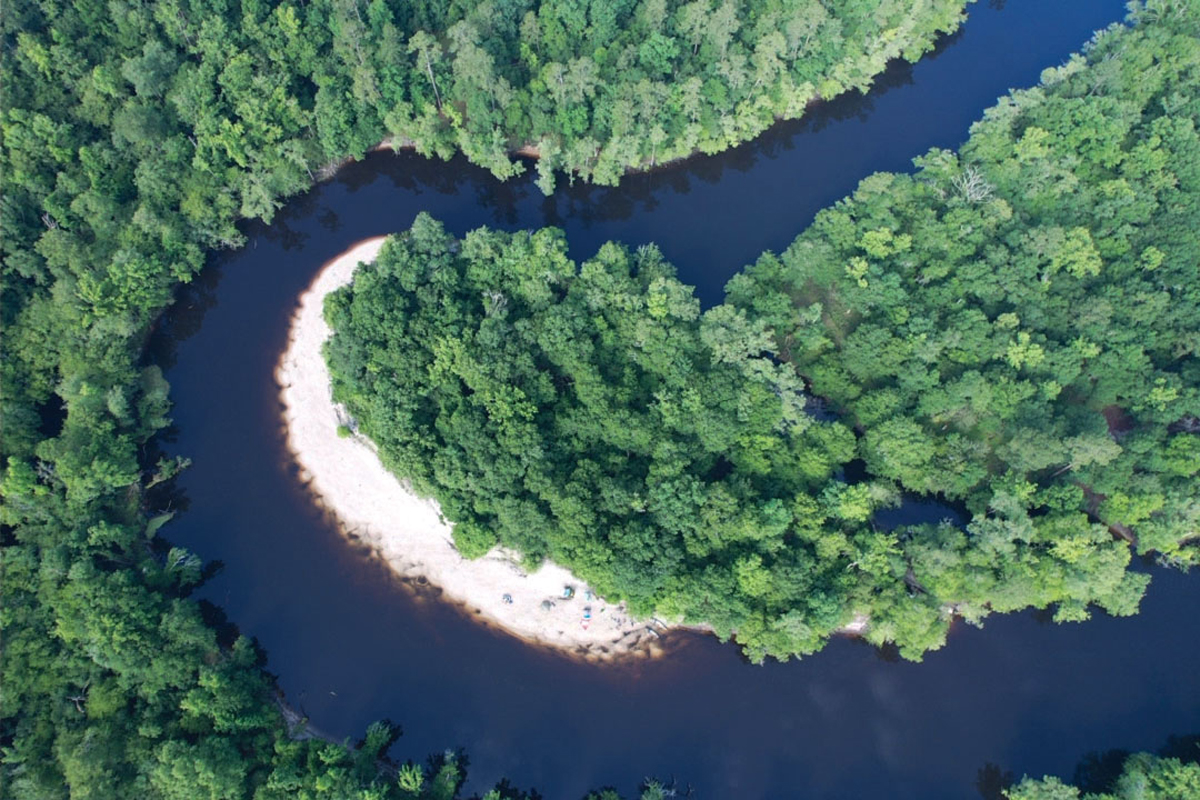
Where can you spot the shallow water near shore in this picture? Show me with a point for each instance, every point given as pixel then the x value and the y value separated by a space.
pixel 350 645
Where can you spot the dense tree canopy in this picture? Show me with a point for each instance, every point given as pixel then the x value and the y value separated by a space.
pixel 1014 327
pixel 1017 326
pixel 134 137
pixel 598 86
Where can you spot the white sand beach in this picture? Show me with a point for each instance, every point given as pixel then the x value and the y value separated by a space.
pixel 407 531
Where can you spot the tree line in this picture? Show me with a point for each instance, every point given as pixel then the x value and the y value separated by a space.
pixel 1143 776
pixel 592 415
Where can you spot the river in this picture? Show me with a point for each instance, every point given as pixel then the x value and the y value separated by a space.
pixel 350 645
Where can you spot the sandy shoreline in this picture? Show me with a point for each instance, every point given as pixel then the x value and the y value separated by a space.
pixel 406 531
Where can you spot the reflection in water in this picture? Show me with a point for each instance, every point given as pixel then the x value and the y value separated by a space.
pixel 349 647
pixel 992 781
pixel 1098 771
pixel 183 321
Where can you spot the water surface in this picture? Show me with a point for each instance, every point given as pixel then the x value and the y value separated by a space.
pixel 350 645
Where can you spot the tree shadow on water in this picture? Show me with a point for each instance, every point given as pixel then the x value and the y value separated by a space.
pixel 1097 772
pixel 992 781
pixel 888 653
pixel 1185 748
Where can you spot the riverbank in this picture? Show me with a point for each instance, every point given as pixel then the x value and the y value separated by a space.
pixel 407 532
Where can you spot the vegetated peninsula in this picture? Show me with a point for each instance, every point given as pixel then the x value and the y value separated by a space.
pixel 591 416
pixel 542 603
pixel 1013 327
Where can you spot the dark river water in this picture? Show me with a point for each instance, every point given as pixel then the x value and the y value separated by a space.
pixel 350 645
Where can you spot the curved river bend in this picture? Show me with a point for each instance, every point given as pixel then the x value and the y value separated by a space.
pixel 350 645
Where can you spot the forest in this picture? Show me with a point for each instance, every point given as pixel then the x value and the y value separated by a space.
pixel 136 136
pixel 1013 328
